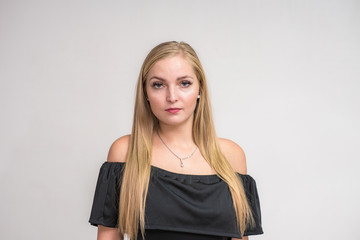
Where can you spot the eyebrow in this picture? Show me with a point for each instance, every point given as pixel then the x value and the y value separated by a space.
pixel 183 77
pixel 162 79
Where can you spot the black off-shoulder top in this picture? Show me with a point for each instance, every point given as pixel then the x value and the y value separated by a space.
pixel 178 206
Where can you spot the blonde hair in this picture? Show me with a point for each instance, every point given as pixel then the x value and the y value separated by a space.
pixel 136 175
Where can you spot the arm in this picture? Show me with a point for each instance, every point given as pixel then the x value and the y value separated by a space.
pixel 236 157
pixel 234 154
pixel 106 233
pixel 117 153
pixel 118 150
pixel 244 238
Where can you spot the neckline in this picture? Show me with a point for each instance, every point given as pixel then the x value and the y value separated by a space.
pixel 165 172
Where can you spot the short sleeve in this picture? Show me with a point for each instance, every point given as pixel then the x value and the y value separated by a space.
pixel 105 208
pixel 254 202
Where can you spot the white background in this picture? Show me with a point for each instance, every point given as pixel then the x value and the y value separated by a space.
pixel 284 82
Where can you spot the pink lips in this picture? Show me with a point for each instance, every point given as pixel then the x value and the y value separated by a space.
pixel 173 110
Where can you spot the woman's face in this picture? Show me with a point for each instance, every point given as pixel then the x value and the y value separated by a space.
pixel 172 90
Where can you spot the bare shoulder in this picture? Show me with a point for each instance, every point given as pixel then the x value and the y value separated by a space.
pixel 234 154
pixel 118 150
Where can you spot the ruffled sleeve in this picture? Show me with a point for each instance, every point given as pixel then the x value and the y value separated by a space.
pixel 253 200
pixel 105 208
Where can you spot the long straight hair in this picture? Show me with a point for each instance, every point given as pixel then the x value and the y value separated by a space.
pixel 136 175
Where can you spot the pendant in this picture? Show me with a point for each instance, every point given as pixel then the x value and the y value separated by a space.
pixel 181 163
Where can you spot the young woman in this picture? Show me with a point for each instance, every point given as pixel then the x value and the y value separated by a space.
pixel 172 178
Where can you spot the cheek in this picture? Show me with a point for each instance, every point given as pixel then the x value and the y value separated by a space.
pixel 155 103
pixel 192 96
pixel 154 96
pixel 151 97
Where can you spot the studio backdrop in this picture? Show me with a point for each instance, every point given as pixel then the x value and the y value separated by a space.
pixel 284 85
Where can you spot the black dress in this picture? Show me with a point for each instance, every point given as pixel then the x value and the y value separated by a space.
pixel 178 206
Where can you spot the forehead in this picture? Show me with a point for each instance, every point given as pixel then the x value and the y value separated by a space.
pixel 172 66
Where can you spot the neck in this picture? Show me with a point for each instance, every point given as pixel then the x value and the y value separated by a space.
pixel 177 134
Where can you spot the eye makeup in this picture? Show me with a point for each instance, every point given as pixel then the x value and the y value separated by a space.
pixel 185 83
pixel 157 85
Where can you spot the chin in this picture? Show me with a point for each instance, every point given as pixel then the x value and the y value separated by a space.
pixel 174 122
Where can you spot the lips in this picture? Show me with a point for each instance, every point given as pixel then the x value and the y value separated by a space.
pixel 173 110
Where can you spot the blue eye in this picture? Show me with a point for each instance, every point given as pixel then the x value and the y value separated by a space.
pixel 185 83
pixel 157 84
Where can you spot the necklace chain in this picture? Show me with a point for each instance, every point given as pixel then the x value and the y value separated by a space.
pixel 180 158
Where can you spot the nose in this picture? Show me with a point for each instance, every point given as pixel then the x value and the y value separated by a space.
pixel 171 95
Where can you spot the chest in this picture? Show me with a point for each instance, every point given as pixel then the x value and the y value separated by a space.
pixel 197 204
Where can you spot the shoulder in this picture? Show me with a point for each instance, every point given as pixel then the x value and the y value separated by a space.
pixel 118 150
pixel 234 154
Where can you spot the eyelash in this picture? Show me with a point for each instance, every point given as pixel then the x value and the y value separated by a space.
pixel 157 85
pixel 183 84
pixel 187 83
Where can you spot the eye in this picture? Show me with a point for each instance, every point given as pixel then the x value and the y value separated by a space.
pixel 157 84
pixel 185 83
